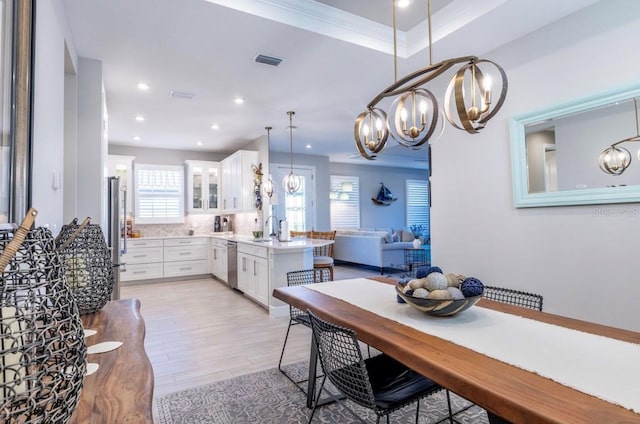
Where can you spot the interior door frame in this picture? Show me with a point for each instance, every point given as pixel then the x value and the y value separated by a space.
pixel 279 170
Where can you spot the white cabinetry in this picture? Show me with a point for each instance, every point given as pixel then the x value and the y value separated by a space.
pixel 218 259
pixel 203 186
pixel 122 166
pixel 157 258
pixel 237 181
pixel 185 256
pixel 143 260
pixel 253 272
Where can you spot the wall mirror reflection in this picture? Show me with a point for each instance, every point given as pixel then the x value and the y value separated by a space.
pixel 563 155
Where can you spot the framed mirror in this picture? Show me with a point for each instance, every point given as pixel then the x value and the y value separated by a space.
pixel 555 151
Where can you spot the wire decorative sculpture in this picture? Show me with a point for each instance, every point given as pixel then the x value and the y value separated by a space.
pixel 42 347
pixel 87 261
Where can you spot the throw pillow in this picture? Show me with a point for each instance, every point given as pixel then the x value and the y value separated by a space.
pixel 395 237
pixel 407 236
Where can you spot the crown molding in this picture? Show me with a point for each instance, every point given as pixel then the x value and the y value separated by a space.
pixel 322 19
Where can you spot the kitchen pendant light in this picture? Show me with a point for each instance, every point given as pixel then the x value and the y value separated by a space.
pixel 268 187
pixel 292 181
pixel 415 114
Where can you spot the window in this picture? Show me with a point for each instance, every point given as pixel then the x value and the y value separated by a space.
pixel 345 202
pixel 159 194
pixel 418 203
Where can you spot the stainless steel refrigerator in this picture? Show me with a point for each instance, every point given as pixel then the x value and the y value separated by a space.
pixel 116 207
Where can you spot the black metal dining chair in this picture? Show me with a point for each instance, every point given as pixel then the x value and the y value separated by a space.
pixel 379 383
pixel 297 316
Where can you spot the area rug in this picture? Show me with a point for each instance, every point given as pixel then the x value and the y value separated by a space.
pixel 269 397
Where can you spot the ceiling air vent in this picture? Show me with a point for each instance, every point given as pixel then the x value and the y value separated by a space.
pixel 267 60
pixel 181 95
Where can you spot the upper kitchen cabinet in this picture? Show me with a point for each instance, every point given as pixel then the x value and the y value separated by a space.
pixel 237 181
pixel 203 186
pixel 122 166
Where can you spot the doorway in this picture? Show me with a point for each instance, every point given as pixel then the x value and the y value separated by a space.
pixel 297 208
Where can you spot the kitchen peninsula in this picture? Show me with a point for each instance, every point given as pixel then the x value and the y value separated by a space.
pixel 259 265
pixel 263 265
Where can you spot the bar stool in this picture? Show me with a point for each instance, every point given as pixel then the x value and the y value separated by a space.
pixel 323 255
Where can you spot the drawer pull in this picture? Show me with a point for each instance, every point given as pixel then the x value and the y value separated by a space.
pixel 184 253
pixel 186 268
pixel 139 256
pixel 139 272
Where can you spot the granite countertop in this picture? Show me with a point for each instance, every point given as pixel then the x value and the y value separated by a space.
pixel 294 243
pixel 168 237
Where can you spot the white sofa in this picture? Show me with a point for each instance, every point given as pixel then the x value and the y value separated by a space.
pixel 378 247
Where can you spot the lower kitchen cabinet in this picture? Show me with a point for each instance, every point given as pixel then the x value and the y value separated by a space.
pixel 185 256
pixel 143 260
pixel 218 259
pixel 253 272
pixel 164 258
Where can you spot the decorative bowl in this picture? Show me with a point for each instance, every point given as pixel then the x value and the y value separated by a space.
pixel 257 234
pixel 436 307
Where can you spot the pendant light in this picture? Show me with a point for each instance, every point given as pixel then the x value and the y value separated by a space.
pixel 291 182
pixel 415 114
pixel 615 160
pixel 268 187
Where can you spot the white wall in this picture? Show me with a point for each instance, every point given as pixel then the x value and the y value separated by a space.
pixel 370 177
pixel 70 181
pixel 92 146
pixel 48 117
pixel 581 258
pixel 54 116
pixel 163 156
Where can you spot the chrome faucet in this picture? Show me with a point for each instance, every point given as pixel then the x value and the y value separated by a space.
pixel 266 222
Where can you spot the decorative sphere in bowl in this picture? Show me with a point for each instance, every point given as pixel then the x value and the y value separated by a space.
pixel 438 307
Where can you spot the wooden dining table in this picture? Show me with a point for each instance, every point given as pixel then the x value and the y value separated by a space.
pixel 512 393
pixel 121 390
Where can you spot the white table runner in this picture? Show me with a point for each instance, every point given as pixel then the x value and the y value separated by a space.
pixel 596 365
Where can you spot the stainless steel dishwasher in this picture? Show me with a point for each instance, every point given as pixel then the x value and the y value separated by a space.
pixel 232 264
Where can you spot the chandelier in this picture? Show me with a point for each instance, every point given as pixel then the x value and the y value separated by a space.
pixel 292 181
pixel 615 160
pixel 415 114
pixel 268 188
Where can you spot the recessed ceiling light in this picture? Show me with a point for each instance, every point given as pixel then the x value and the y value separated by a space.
pixel 308 146
pixel 142 86
pixel 404 3
pixel 139 118
pixel 215 127
pixel 238 100
pixel 199 143
pixel 136 138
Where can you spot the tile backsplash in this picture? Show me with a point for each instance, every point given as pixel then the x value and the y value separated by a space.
pixel 242 223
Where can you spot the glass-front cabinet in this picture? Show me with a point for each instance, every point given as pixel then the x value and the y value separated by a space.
pixel 203 186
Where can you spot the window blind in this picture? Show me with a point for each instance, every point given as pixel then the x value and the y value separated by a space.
pixel 159 194
pixel 418 203
pixel 344 201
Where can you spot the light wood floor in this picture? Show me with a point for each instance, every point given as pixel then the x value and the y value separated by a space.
pixel 201 331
